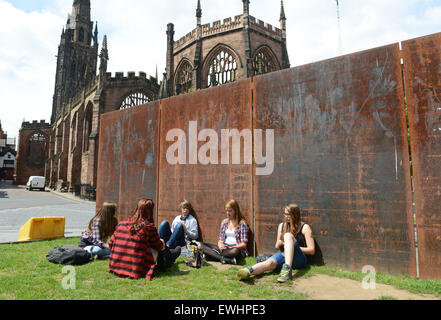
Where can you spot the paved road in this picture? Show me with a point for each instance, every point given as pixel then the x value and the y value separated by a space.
pixel 17 206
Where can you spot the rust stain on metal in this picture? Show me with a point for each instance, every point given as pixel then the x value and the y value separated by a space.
pixel 109 157
pixel 341 154
pixel 207 186
pixel 422 69
pixel 128 157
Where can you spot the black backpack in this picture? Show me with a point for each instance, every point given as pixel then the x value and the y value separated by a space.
pixel 69 255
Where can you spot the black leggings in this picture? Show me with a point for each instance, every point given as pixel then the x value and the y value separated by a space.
pixel 212 252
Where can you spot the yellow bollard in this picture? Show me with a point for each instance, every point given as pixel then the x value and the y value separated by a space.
pixel 42 229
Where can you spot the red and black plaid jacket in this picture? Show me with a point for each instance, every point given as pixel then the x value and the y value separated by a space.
pixel 131 254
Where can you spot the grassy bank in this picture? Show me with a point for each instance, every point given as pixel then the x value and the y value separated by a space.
pixel 26 274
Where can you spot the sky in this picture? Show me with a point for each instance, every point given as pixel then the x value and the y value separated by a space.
pixel 136 30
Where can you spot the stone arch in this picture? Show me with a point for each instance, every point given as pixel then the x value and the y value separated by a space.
pixel 36 147
pixel 133 98
pixel 220 66
pixel 183 76
pixel 74 129
pixel 87 125
pixel 264 60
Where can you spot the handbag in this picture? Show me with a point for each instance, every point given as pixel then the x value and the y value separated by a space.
pixel 194 256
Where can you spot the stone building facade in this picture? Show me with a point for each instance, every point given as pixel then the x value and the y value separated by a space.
pixel 221 52
pixel 210 55
pixel 83 91
pixel 7 155
pixel 32 150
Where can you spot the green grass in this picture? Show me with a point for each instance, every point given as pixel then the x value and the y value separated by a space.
pixel 25 274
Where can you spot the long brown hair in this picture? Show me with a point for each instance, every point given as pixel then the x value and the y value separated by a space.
pixel 108 220
pixel 294 224
pixel 239 218
pixel 143 215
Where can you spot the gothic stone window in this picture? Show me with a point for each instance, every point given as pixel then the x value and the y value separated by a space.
pixel 134 99
pixel 184 77
pixel 264 62
pixel 223 69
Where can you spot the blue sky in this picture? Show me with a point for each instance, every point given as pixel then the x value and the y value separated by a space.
pixel 30 33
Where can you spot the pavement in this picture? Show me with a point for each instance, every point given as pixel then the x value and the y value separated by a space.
pixel 17 206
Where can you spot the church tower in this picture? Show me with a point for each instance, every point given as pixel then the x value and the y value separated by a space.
pixel 77 56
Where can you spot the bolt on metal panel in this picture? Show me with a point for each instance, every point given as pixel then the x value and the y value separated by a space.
pixel 422 72
pixel 341 155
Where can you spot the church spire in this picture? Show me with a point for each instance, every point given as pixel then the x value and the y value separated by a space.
pixel 199 13
pixel 246 7
pixel 104 50
pixel 282 11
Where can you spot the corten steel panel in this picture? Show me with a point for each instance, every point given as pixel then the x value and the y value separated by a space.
pixel 138 156
pixel 109 159
pixel 207 187
pixel 422 67
pixel 127 169
pixel 341 155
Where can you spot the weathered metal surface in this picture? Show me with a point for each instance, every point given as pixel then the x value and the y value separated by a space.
pixel 341 154
pixel 109 159
pixel 422 69
pixel 207 187
pixel 128 157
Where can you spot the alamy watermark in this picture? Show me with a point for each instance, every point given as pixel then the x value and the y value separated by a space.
pixel 208 153
pixel 69 282
pixel 369 282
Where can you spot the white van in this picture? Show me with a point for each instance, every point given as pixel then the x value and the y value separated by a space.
pixel 36 182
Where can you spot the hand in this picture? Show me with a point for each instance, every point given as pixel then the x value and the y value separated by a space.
pixel 280 243
pixel 222 248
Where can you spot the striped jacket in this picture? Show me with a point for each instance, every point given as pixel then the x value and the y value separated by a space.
pixel 131 255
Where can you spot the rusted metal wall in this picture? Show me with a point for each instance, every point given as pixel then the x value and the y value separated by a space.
pixel 109 159
pixel 340 149
pixel 128 156
pixel 207 187
pixel 422 69
pixel 341 155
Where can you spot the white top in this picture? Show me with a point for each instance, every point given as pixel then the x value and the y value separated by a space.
pixel 230 238
pixel 190 223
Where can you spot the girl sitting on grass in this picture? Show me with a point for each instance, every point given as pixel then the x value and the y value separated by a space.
pixel 99 230
pixel 233 237
pixel 294 240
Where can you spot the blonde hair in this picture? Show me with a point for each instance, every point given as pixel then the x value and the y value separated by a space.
pixel 294 224
pixel 238 216
pixel 186 205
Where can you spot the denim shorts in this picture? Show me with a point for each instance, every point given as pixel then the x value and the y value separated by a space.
pixel 298 262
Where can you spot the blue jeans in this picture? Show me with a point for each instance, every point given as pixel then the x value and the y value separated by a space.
pixel 177 238
pixel 99 252
pixel 298 262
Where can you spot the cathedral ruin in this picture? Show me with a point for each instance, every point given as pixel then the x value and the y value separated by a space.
pixel 210 55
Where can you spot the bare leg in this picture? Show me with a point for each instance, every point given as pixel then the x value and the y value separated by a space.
pixel 261 267
pixel 290 241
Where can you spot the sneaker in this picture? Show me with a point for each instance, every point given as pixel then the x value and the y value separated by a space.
pixel 243 274
pixel 227 260
pixel 285 274
pixel 175 253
